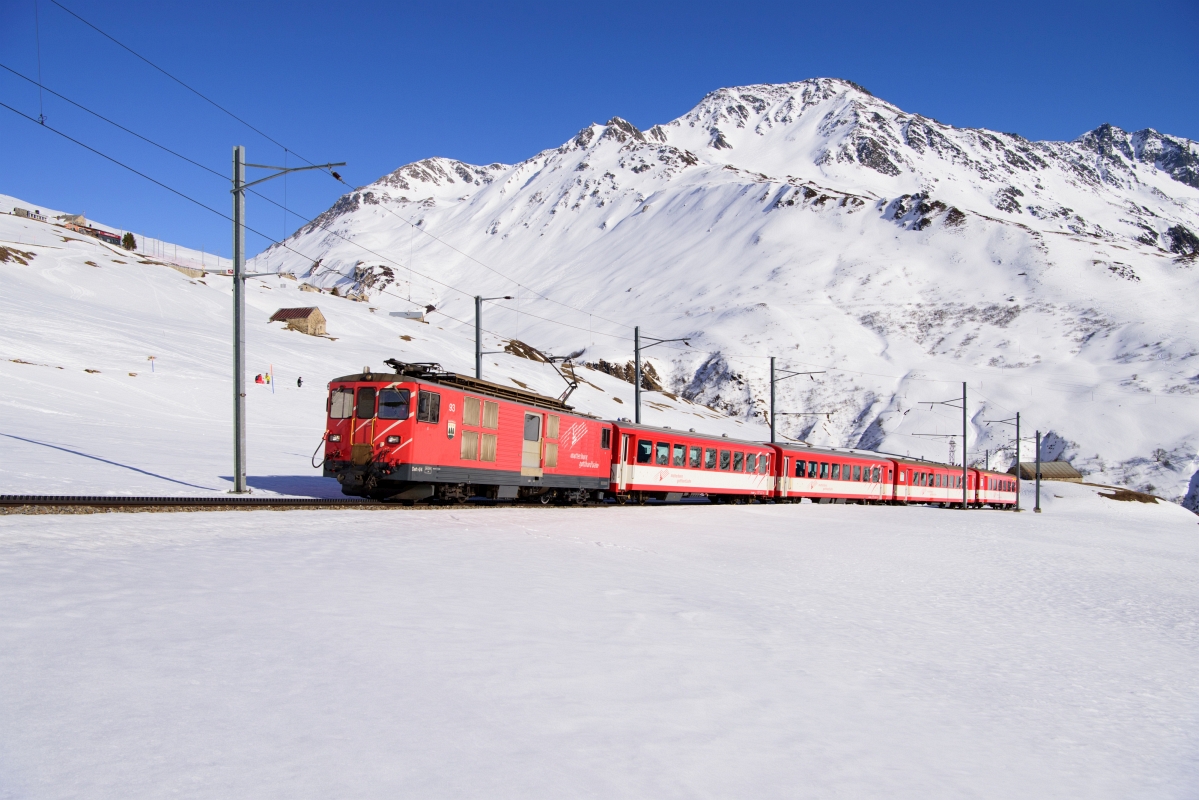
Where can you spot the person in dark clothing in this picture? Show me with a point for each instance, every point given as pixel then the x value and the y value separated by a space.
pixel 299 382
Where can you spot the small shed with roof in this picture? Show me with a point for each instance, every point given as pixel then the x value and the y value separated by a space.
pixel 305 320
pixel 1050 471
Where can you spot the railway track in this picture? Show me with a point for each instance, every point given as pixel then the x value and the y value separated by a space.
pixel 90 504
pixel 99 504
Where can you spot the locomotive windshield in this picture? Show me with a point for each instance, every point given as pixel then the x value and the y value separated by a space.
pixel 394 403
pixel 341 403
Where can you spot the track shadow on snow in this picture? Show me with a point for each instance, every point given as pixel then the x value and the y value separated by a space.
pixel 300 485
pixel 108 461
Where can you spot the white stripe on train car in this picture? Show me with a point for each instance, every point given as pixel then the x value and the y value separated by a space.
pixel 828 487
pixel 694 480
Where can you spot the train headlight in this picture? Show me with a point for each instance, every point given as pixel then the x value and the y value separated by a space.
pixel 393 440
pixel 335 437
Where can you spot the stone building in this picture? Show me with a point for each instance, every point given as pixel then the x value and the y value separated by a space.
pixel 305 320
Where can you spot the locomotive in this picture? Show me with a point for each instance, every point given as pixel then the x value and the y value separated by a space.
pixel 425 434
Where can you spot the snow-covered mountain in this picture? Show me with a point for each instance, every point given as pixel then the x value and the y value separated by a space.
pixel 819 224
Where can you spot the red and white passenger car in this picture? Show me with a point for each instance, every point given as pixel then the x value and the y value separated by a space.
pixel 665 464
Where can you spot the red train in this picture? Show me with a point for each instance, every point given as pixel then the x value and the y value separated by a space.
pixel 424 433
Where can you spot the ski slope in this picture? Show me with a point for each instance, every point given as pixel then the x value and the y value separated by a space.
pixel 752 651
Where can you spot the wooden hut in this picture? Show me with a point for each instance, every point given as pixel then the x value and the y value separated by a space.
pixel 305 320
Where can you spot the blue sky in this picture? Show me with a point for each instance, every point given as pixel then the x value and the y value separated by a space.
pixel 381 84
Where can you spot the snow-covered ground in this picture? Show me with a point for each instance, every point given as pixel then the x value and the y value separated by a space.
pixel 755 651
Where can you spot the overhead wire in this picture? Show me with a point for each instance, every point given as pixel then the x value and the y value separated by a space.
pixel 336 177
pixel 185 85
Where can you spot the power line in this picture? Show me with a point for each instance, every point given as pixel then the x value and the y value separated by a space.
pixel 191 89
pixel 286 149
pixel 98 115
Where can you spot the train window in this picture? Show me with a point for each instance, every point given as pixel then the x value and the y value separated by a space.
pixel 726 459
pixel 738 462
pixel 763 462
pixel 697 455
pixel 532 427
pixel 857 472
pixel 551 454
pixel 662 456
pixel 751 462
pixel 801 470
pixel 823 470
pixel 680 455
pixel 471 411
pixel 428 407
pixel 645 451
pixel 393 403
pixel 605 438
pixel 470 445
pixel 341 404
pixel 836 472
pixel 487 443
pixel 812 469
pixel 710 458
pixel 491 414
pixel 551 426
pixel 365 408
pixel 876 474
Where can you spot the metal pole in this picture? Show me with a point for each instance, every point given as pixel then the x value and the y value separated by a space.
pixel 965 469
pixel 1017 460
pixel 479 337
pixel 239 321
pixel 637 375
pixel 1038 506
pixel 772 399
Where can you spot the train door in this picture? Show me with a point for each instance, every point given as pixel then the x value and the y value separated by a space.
pixel 622 466
pixel 530 457
pixel 784 484
pixel 362 437
pixel 901 486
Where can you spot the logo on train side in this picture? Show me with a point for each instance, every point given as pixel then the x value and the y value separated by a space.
pixel 573 434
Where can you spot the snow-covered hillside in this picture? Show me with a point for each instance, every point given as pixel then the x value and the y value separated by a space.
pixel 115 372
pixel 821 225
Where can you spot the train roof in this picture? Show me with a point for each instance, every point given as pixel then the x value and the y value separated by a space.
pixel 433 374
pixel 804 447
pixel 626 425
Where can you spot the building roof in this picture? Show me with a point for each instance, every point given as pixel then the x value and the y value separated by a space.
pixel 1050 471
pixel 284 314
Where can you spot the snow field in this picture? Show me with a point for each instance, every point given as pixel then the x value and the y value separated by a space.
pixel 757 651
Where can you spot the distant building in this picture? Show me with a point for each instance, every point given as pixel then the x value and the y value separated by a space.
pixel 78 223
pixel 305 320
pixel 35 214
pixel 1050 471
